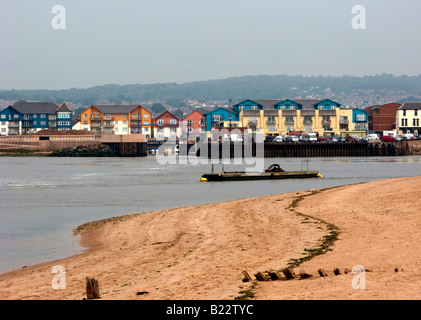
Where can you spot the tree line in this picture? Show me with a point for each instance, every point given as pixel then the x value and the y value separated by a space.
pixel 235 88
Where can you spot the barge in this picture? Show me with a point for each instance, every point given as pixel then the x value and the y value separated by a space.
pixel 273 172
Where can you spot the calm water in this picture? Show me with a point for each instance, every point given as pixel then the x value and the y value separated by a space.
pixel 43 199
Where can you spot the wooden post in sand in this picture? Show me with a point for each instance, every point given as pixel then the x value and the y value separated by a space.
pixel 92 288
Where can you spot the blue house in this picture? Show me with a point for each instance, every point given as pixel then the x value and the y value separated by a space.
pixel 286 104
pixel 29 117
pixel 215 118
pixel 360 119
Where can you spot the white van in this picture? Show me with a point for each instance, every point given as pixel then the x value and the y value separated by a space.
pixel 308 137
pixel 372 136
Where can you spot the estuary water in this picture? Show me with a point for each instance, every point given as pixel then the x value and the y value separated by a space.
pixel 42 200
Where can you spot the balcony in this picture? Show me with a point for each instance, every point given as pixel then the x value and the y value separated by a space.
pixel 326 122
pixel 109 124
pixel 343 121
pixel 96 117
pixel 95 124
pixel 271 121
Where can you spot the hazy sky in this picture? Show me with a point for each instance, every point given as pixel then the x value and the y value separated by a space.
pixel 150 41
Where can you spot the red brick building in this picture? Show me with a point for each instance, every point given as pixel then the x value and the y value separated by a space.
pixel 383 117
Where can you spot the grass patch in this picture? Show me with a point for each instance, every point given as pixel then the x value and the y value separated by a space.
pixel 248 293
pixel 327 241
pixel 22 153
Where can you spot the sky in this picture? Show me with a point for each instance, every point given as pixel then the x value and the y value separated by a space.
pixel 161 41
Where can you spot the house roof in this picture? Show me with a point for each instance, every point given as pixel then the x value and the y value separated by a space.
pixel 35 107
pixel 166 111
pixel 117 108
pixel 413 105
pixel 64 108
pixel 269 104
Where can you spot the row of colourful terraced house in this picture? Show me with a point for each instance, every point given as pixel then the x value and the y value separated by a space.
pixel 271 117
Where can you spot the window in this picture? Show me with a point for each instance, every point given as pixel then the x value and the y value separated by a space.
pixel 146 115
pixel 107 116
pixel 404 113
pixel 307 119
pixel 189 122
pixel 16 116
pixel 43 116
pixel 271 127
pixel 173 130
pixel 216 117
pixel 404 122
pixel 43 123
pixel 360 117
pixel 124 122
pixel 271 119
pixel 62 115
pixel 146 122
pixel 85 122
pixel 253 120
pixel 3 123
pixel 3 116
pixel 160 121
pixel 34 123
pixel 173 121
pixel 289 119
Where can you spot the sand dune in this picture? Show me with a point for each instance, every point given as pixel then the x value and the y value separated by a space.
pixel 199 252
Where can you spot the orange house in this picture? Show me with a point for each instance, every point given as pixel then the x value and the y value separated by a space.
pixel 117 119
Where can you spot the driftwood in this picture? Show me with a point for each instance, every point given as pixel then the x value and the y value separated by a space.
pixel 92 288
pixel 247 277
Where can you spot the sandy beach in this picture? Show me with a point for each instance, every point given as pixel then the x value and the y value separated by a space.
pixel 200 252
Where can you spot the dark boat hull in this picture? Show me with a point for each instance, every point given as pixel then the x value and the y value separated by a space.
pixel 259 176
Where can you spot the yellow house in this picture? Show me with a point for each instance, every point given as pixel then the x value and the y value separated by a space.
pixel 281 117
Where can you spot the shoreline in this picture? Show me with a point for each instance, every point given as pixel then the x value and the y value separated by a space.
pixel 182 253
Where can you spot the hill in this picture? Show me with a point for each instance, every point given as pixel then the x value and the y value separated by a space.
pixel 361 91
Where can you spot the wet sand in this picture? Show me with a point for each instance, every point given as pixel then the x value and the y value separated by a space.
pixel 200 252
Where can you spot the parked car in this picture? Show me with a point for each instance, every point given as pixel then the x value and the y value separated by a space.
pixel 408 136
pixel 372 136
pixel 320 138
pixel 269 138
pixel 277 139
pixel 388 138
pixel 308 137
pixel 295 138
